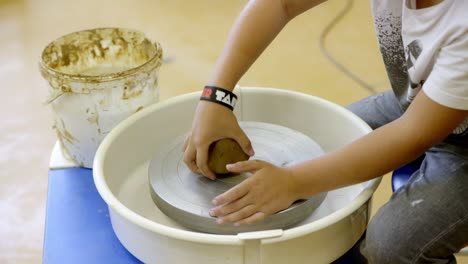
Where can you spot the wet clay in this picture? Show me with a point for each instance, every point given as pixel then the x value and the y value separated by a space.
pixel 222 152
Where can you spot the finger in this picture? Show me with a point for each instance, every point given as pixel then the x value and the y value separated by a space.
pixel 237 216
pixel 202 162
pixel 230 207
pixel 232 194
pixel 258 216
pixel 245 143
pixel 189 159
pixel 186 142
pixel 245 166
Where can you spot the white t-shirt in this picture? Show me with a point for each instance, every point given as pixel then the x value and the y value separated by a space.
pixel 425 49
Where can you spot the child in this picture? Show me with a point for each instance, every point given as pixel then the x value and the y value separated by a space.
pixel 424 45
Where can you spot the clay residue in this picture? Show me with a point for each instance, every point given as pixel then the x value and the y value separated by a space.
pixel 98 52
pixel 104 58
pixel 93 119
pixel 139 108
pixel 64 134
pixel 130 93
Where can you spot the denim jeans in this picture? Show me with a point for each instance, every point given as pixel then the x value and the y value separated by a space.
pixel 426 221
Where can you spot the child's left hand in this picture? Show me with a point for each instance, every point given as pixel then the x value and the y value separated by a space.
pixel 269 190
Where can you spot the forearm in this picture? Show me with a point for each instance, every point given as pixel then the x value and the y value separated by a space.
pixel 259 23
pixel 423 125
pixel 371 156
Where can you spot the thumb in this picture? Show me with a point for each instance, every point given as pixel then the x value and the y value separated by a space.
pixel 245 143
pixel 245 166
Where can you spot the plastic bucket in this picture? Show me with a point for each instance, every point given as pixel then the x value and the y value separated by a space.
pixel 97 78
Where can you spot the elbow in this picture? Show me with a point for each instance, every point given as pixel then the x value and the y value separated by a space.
pixel 415 139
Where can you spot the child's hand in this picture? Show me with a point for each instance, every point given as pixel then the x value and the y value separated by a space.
pixel 211 122
pixel 269 190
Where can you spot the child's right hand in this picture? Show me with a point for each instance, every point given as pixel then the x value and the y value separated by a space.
pixel 211 122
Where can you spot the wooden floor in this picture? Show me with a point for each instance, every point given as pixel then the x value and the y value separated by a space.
pixel 192 34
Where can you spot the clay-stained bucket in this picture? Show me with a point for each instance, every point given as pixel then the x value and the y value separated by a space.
pixel 96 79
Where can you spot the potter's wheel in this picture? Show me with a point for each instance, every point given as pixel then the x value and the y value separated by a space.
pixel 186 197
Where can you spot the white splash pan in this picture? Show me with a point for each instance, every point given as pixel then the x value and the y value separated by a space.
pixel 121 166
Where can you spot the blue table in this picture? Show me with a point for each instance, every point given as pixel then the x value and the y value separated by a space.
pixel 78 227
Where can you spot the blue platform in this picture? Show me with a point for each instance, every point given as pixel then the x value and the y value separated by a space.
pixel 78 227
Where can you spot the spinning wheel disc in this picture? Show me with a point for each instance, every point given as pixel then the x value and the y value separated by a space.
pixel 186 197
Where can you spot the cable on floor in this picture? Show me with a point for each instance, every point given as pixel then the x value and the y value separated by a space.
pixel 328 28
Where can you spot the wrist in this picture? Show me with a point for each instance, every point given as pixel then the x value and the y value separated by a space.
pixel 295 189
pixel 219 95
